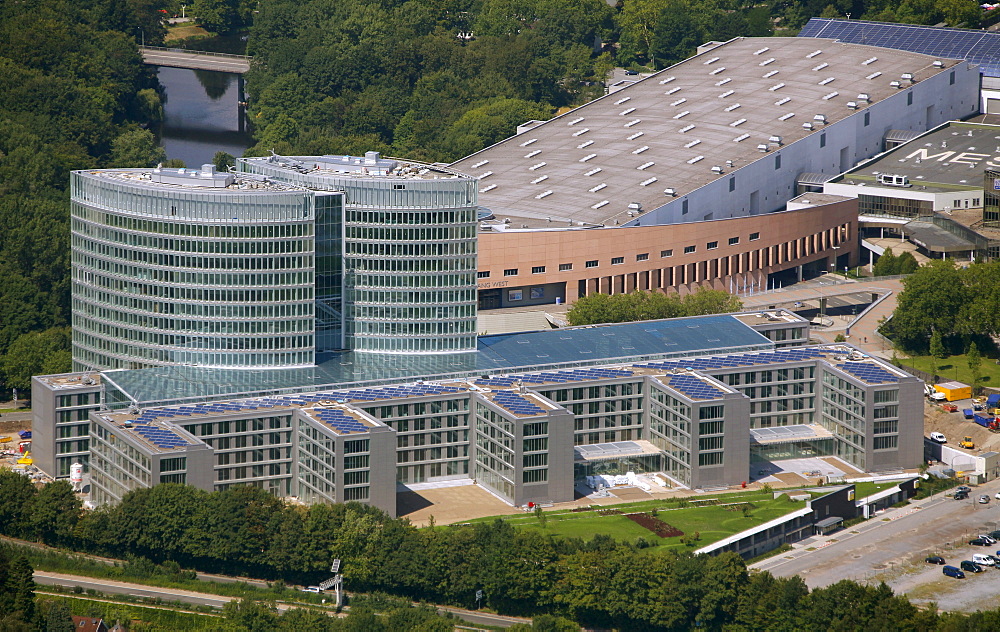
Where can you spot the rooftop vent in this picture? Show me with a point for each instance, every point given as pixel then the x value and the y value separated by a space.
pixel 895 84
pixel 852 105
pixel 730 163
pixel 763 148
pixel 938 63
pixel 820 118
pixel 893 180
pixel 717 169
pixel 635 206
pixel 775 139
pixel 670 191
pixel 864 96
pixel 807 125
pixel 907 76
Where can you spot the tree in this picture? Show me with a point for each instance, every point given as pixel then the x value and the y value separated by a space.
pixel 36 353
pixel 17 496
pixel 937 347
pixel 975 361
pixel 136 148
pixel 57 616
pixel 55 513
pixel 886 264
pixel 223 161
pixel 677 35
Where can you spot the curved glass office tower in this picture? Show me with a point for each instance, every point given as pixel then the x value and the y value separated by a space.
pixel 408 253
pixel 187 266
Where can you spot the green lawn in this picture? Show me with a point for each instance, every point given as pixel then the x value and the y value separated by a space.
pixel 863 490
pixel 712 522
pixel 957 368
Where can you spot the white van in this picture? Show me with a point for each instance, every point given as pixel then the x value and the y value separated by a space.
pixel 983 560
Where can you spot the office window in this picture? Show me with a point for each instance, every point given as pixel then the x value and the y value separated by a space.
pixel 592 263
pixel 951 78
pixel 754 236
pixel 822 139
pixel 732 183
pixel 909 98
pixel 617 260
pixel 689 249
pixel 712 245
pixel 510 272
pixel 733 241
pixel 777 161
pixel 667 253
pixel 563 267
pixel 975 201
pixel 868 118
pixel 684 207
pixel 642 257
pixel 483 274
pixel 537 269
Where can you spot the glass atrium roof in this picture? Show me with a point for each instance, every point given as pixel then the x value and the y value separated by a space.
pixel 497 354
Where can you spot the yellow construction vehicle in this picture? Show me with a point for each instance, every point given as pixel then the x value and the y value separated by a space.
pixel 966 443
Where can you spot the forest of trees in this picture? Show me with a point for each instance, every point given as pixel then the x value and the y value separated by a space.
pixel 639 305
pixel 598 582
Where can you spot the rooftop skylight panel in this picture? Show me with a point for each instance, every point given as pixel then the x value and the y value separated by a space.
pixel 543 194
pixel 533 153
pixel 673 90
pixel 692 144
pixel 813 54
pixel 686 128
pixel 723 82
pixel 727 93
pixel 827 80
pixel 600 204
pixel 646 183
pixel 767 61
pixel 597 188
pixel 711 61
pixel 680 115
pixel 820 67
pixel 488 189
pixel 645 165
pixel 593 171
pixel 738 122
pixel 770 73
pixel 539 179
pixel 695 159
pixel 785 117
pixel 762 50
pixel 678 102
pixel 874 75
pixel 869 61
pixel 641 149
pixel 585 144
pixel 783 100
pixel 732 107
pixel 666 80
pixel 580 132
pixel 635 135
pixel 622 100
pixel 483 162
pixel 718 70
pixel 777 86
pixel 741 138
pixel 485 174
pixel 633 122
pixel 827 97
pixel 575 121
pixel 626 111
pixel 536 166
pixel 528 142
pixel 588 157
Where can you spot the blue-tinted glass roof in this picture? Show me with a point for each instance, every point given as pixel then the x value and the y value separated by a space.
pixel 979 47
pixel 503 353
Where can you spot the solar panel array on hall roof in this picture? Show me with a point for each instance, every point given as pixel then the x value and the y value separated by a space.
pixel 516 404
pixel 979 47
pixel 868 373
pixel 160 437
pixel 339 421
pixel 693 387
pixel 557 377
pixel 739 360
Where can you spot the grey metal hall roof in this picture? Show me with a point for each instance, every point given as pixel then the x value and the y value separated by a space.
pixel 569 347
pixel 585 167
pixel 979 47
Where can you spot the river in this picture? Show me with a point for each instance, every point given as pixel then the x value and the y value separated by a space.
pixel 201 115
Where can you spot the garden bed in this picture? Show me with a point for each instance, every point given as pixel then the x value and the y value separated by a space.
pixel 654 524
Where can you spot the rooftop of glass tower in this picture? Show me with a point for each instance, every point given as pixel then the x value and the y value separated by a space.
pixel 207 177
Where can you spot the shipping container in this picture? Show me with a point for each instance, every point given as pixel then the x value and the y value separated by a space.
pixel 954 391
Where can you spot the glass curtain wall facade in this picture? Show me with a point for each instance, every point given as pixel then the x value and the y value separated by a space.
pixel 408 249
pixel 174 266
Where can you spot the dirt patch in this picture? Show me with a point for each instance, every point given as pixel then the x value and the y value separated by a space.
pixel 450 504
pixel 655 525
pixel 630 493
pixel 179 33
pixel 792 479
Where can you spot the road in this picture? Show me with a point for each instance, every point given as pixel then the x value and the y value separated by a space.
pixel 112 587
pixel 197 61
pixel 880 547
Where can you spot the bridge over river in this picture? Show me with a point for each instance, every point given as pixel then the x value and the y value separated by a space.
pixel 195 60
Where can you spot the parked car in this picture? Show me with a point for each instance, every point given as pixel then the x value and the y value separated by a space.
pixel 312 589
pixel 991 540
pixel 935 559
pixel 963 488
pixel 979 542
pixel 983 560
pixel 631 72
pixel 972 567
pixel 984 500
pixel 951 571
pixel 960 495
pixel 937 437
